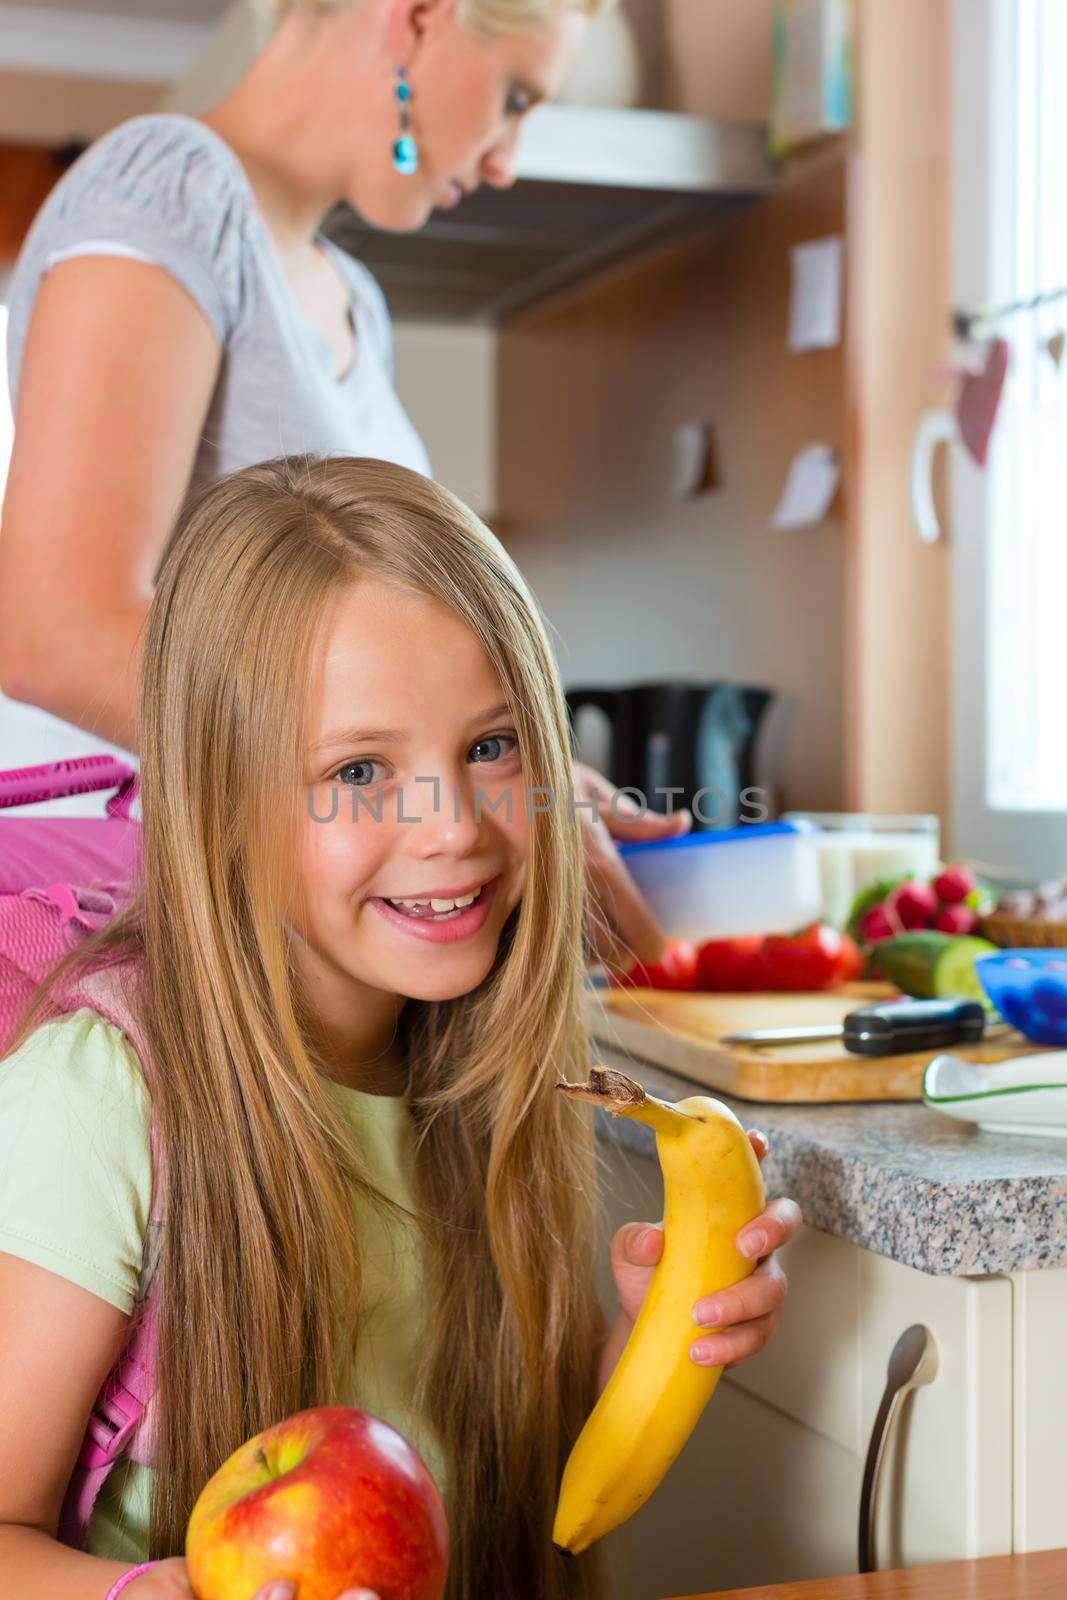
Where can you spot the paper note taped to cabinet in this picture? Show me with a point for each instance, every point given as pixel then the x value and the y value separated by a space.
pixel 809 489
pixel 815 307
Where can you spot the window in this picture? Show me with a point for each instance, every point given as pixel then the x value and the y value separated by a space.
pixel 1027 613
pixel 1010 522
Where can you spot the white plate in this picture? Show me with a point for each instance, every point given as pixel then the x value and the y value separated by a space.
pixel 1026 1095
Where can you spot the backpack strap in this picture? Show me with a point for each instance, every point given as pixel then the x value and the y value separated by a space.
pixel 121 1423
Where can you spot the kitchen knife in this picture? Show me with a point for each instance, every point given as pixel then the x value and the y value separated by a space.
pixel 896 1027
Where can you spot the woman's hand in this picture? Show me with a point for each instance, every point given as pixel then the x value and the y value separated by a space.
pixel 169 1580
pixel 748 1313
pixel 619 924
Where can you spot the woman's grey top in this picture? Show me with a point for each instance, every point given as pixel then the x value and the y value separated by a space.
pixel 167 189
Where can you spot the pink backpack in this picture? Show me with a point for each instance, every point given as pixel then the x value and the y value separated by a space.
pixel 61 878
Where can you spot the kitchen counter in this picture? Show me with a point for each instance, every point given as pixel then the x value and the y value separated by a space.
pixel 915 1220
pixel 899 1180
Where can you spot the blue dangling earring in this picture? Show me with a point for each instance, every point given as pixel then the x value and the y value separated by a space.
pixel 405 150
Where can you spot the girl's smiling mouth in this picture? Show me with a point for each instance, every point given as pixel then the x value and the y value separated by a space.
pixel 444 926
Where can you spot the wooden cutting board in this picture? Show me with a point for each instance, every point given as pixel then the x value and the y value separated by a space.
pixel 682 1031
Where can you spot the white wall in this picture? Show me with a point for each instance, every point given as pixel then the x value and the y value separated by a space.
pixel 446 376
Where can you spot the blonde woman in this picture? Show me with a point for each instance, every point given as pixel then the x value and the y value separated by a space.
pixel 318 1051
pixel 176 315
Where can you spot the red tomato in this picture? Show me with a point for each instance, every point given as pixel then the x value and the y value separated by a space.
pixel 850 963
pixel 807 960
pixel 729 966
pixel 675 970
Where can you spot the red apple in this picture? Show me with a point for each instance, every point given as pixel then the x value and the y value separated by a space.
pixel 330 1499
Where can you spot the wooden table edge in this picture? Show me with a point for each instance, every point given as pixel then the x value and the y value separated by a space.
pixel 1038 1575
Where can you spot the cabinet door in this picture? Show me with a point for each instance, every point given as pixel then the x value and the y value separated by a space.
pixel 947 1485
pixel 768 1488
pixel 1040 1454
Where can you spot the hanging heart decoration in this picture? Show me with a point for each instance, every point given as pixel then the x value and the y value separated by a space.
pixel 979 400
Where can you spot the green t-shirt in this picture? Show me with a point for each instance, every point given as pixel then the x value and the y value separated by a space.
pixel 75 1193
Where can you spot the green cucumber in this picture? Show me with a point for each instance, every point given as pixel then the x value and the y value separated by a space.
pixel 932 966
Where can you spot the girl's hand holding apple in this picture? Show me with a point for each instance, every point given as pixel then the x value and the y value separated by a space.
pixel 169 1581
pixel 286 1591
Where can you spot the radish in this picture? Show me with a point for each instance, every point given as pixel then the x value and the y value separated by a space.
pixel 876 925
pixel 957 919
pixel 954 885
pixel 914 903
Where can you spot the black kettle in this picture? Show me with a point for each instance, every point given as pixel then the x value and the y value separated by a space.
pixel 699 738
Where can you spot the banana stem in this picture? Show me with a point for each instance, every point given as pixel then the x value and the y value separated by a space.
pixel 614 1092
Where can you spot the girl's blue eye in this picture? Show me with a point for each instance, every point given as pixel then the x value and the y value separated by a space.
pixel 353 766
pixel 496 739
pixel 519 102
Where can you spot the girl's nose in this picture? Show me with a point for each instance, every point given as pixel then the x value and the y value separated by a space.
pixel 452 818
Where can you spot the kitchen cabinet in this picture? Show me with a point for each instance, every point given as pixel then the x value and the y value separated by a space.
pixel 769 1485
pixel 27 174
pixel 768 1488
pixel 45 107
pixel 719 58
pixel 847 618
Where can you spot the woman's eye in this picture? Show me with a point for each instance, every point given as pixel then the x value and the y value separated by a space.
pixel 493 742
pixel 355 766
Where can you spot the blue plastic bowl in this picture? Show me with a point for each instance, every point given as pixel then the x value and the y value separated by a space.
pixel 1029 989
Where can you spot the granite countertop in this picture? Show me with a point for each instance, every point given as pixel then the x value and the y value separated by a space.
pixel 900 1180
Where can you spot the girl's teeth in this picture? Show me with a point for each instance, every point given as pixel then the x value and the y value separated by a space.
pixel 420 908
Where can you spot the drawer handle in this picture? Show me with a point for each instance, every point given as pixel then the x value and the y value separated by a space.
pixel 913 1363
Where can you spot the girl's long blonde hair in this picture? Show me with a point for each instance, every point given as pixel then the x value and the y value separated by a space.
pixel 259 1281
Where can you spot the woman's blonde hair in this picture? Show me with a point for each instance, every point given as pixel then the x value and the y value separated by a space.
pixel 492 16
pixel 259 1281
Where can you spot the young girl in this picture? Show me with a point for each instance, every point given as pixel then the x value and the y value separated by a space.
pixel 373 1194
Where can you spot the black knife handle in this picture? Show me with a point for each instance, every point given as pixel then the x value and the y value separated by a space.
pixel 898 1027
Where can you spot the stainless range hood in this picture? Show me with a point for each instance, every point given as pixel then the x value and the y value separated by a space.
pixel 595 186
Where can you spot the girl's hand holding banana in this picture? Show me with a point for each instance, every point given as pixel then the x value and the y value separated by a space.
pixel 750 1310
pixel 700 1270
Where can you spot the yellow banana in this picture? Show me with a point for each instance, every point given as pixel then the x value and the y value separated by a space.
pixel 712 1187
